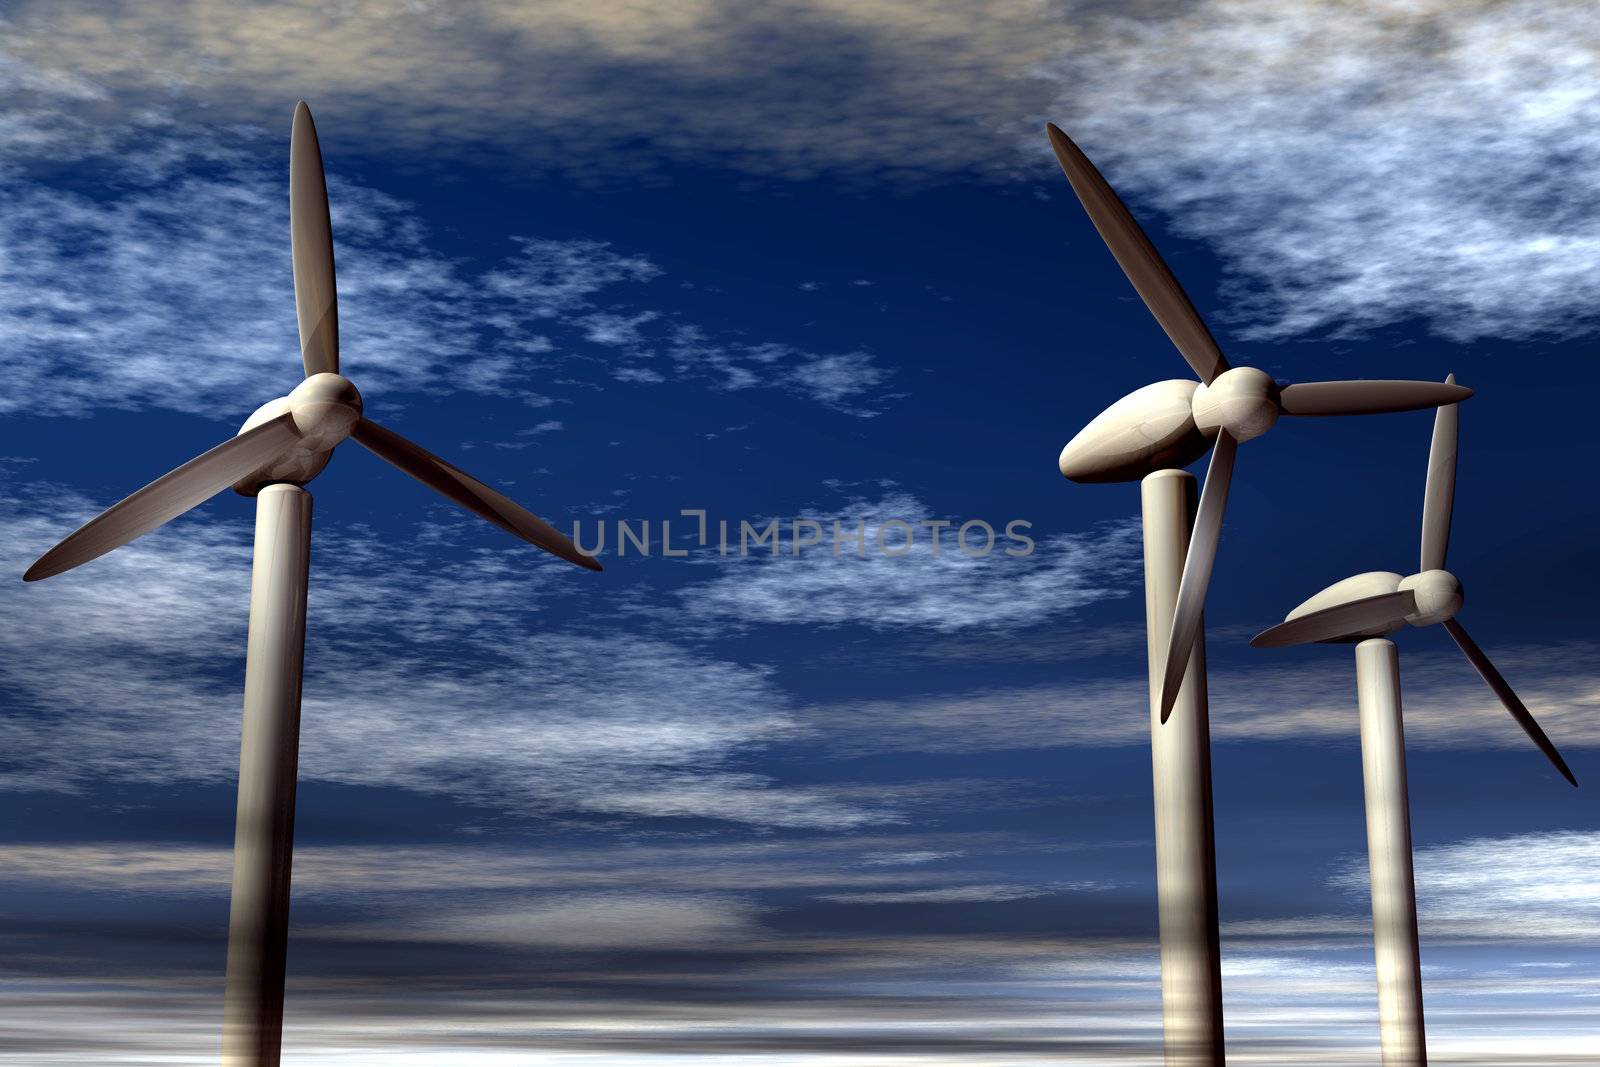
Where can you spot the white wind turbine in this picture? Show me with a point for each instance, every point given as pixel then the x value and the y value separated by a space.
pixel 1149 436
pixel 1362 610
pixel 282 446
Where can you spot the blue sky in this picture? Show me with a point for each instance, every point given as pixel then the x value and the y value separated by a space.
pixel 795 261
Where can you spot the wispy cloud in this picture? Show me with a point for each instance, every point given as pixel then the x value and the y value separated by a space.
pixel 814 862
pixel 637 921
pixel 166 260
pixel 907 999
pixel 1532 890
pixel 957 894
pixel 792 88
pixel 175 292
pixel 1528 887
pixel 548 279
pixel 660 965
pixel 1311 701
pixel 1358 166
pixel 934 584
pixel 127 670
pixel 842 381
pixel 1354 168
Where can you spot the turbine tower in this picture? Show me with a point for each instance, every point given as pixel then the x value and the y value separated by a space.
pixel 1364 609
pixel 1149 436
pixel 281 447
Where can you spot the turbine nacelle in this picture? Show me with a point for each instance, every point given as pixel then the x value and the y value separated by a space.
pixel 1150 429
pixel 1433 597
pixel 323 408
pixel 1349 590
pixel 1170 424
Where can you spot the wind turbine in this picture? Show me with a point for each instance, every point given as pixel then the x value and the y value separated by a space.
pixel 1363 609
pixel 1149 436
pixel 1172 423
pixel 282 446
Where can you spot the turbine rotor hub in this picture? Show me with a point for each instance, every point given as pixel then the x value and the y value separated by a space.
pixel 1438 596
pixel 325 408
pixel 1243 401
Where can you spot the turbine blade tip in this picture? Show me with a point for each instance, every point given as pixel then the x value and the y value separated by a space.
pixel 1561 765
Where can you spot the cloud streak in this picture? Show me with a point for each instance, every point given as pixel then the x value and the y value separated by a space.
pixel 661 966
pixel 1354 168
pixel 796 88
pixel 932 583
pixel 1312 702
pixel 1360 166
pixel 1535 887
pixel 128 670
pixel 160 277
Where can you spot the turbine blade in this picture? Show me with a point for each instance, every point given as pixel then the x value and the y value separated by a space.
pixel 1340 620
pixel 168 496
pixel 1513 703
pixel 1438 499
pixel 1139 260
pixel 1367 397
pixel 316 301
pixel 467 491
pixel 1197 568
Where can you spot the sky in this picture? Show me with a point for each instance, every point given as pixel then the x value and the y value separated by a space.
pixel 809 262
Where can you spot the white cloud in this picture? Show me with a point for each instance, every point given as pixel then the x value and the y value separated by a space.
pixel 959 894
pixel 546 279
pixel 837 380
pixel 840 381
pixel 1296 992
pixel 797 87
pixel 18 77
pixel 945 591
pixel 686 864
pixel 128 670
pixel 160 278
pixel 524 436
pixel 900 859
pixel 619 330
pixel 1525 887
pixel 1357 166
pixel 581 922
pixel 1354 167
pixel 172 289
pixel 1310 700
